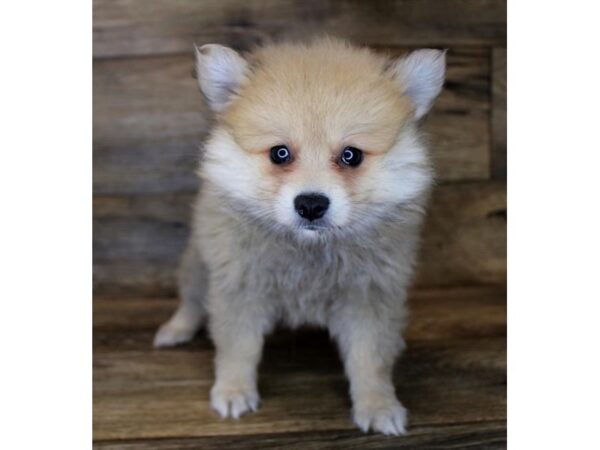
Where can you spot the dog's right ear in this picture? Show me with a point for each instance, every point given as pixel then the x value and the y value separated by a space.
pixel 220 71
pixel 421 77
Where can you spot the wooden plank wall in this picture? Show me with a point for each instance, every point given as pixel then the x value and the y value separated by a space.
pixel 149 120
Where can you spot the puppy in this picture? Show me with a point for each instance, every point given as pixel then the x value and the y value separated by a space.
pixel 315 180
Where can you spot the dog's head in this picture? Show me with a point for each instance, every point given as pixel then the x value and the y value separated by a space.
pixel 318 138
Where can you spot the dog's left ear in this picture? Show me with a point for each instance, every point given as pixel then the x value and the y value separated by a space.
pixel 220 71
pixel 421 77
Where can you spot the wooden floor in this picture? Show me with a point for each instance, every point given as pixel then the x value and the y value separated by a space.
pixel 452 378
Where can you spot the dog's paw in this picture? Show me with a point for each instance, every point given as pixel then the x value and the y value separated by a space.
pixel 170 335
pixel 386 416
pixel 233 401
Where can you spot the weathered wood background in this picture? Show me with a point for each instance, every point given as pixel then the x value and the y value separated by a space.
pixel 452 378
pixel 149 120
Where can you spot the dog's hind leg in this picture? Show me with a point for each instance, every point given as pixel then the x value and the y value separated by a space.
pixel 190 315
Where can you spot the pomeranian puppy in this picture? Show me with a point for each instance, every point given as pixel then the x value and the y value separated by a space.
pixel 315 180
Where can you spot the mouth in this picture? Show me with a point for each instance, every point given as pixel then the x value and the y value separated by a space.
pixel 314 228
pixel 317 225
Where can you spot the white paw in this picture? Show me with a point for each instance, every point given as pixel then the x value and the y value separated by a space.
pixel 169 335
pixel 387 416
pixel 233 401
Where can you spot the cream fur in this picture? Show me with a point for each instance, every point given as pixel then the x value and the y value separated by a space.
pixel 260 264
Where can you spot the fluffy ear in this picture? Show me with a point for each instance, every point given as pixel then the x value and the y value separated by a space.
pixel 421 75
pixel 220 71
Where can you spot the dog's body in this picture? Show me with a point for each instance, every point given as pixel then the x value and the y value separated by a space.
pixel 315 180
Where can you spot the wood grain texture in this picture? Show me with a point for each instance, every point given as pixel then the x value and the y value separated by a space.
pixel 464 240
pixel 150 121
pixel 144 27
pixel 452 378
pixel 479 435
pixel 499 113
pixel 138 240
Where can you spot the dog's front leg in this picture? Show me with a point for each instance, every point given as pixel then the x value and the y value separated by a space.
pixel 237 329
pixel 369 338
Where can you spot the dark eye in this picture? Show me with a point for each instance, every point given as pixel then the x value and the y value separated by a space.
pixel 280 154
pixel 352 156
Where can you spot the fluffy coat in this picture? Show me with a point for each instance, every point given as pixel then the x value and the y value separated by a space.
pixel 253 262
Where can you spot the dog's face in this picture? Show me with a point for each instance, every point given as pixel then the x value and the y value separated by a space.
pixel 320 138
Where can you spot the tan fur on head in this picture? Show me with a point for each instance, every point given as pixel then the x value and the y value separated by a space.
pixel 317 99
pixel 263 260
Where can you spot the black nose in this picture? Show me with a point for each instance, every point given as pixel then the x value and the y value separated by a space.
pixel 311 206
